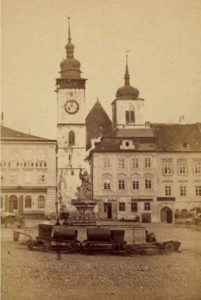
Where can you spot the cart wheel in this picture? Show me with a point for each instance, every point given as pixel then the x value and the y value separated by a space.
pixel 45 247
pixel 30 244
pixel 169 248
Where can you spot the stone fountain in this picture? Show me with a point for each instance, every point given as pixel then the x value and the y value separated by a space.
pixel 84 202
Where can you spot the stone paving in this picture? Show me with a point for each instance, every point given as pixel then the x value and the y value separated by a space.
pixel 28 275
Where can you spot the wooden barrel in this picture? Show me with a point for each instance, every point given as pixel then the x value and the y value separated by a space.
pixel 64 233
pixel 44 231
pixel 98 234
pixel 117 235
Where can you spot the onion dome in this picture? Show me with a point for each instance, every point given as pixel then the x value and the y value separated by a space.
pixel 127 91
pixel 70 67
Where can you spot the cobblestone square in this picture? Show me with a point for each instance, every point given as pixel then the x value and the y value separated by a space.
pixel 28 275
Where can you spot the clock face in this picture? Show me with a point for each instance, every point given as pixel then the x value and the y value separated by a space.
pixel 71 106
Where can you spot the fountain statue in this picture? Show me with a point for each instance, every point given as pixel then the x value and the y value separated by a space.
pixel 84 202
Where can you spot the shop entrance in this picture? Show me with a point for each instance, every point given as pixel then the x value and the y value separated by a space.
pixel 108 210
pixel 166 215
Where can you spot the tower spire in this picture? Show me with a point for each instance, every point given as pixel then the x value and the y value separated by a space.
pixel 127 76
pixel 69 35
pixel 69 47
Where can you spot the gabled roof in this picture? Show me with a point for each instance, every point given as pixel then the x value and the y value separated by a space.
pixel 97 123
pixel 178 137
pixel 11 134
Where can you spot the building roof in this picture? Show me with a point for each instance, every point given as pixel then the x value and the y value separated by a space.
pixel 178 137
pixel 14 135
pixel 97 123
pixel 137 132
pixel 158 138
pixel 109 144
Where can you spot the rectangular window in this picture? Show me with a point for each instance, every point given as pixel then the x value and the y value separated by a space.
pixel 167 167
pixel 182 167
pixel 106 163
pixel 134 206
pixel 121 184
pixel 121 163
pixel 147 206
pixel 28 202
pixel 147 184
pixel 147 163
pixel 130 116
pixel 136 185
pixel 122 206
pixel 106 185
pixel 168 190
pixel 198 190
pixel 197 167
pixel 41 201
pixel 135 163
pixel 182 190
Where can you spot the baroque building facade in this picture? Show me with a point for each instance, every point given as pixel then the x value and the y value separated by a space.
pixel 142 171
pixel 28 173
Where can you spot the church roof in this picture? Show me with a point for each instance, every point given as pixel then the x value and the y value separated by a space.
pixel 97 123
pixel 11 134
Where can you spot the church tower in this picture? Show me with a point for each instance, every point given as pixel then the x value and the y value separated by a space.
pixel 71 127
pixel 127 108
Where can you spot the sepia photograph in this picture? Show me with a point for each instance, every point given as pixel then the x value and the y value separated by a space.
pixel 100 149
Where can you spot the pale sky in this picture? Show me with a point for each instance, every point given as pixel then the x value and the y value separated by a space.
pixel 164 42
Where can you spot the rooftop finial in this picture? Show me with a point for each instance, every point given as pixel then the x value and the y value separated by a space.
pixel 127 77
pixel 69 47
pixel 69 36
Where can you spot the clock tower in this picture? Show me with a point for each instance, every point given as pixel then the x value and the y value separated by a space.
pixel 71 126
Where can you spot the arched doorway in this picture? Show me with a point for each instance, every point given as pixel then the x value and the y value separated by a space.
pixel 13 204
pixel 166 215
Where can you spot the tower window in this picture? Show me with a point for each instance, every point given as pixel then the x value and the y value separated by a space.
pixel 130 116
pixel 71 138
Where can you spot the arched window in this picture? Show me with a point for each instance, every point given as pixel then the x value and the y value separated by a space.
pixel 130 116
pixel 41 201
pixel 71 138
pixel 28 202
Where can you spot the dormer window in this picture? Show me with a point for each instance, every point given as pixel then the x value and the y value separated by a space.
pixel 127 145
